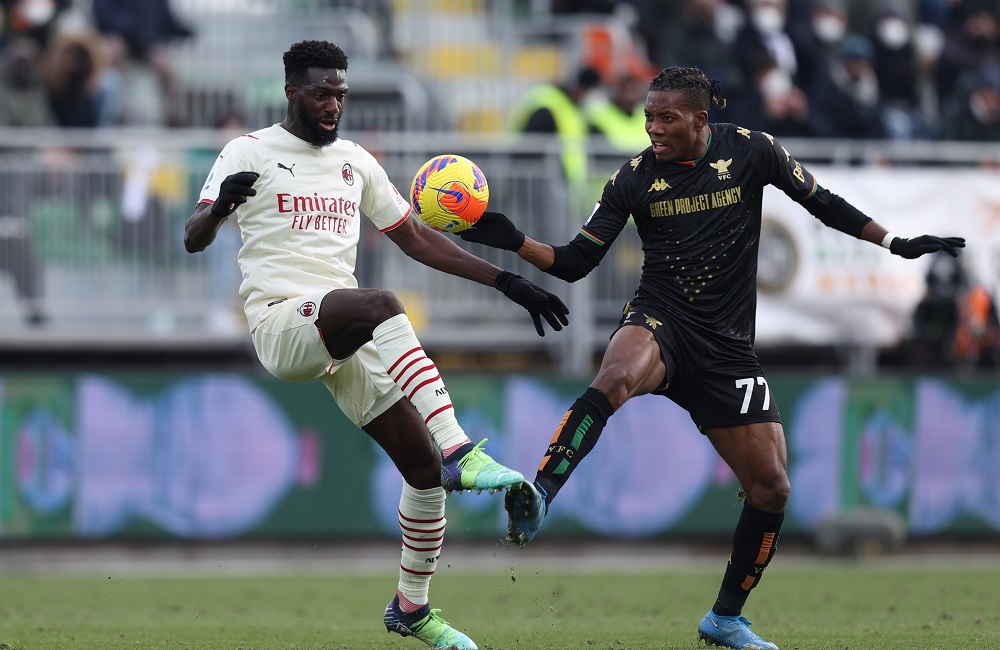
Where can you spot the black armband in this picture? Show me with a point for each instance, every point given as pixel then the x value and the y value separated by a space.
pixel 576 259
pixel 836 213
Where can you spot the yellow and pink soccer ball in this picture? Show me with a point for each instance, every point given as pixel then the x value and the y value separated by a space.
pixel 449 193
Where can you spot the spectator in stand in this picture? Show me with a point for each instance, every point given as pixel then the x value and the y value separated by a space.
pixel 972 113
pixel 24 100
pixel 620 116
pixel 971 37
pixel 763 37
pixel 773 103
pixel 75 74
pixel 35 19
pixel 138 32
pixel 23 103
pixel 818 40
pixel 907 92
pixel 696 38
pixel 845 98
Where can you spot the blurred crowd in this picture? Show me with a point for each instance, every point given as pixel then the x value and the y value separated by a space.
pixel 864 69
pixel 88 64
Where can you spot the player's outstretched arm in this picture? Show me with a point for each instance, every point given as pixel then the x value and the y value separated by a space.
pixel 202 226
pixel 437 251
pixel 913 247
pixel 495 230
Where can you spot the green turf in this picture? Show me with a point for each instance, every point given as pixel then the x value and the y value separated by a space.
pixel 827 606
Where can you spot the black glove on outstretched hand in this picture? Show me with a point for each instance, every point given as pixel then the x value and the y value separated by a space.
pixel 233 192
pixel 495 230
pixel 539 302
pixel 913 248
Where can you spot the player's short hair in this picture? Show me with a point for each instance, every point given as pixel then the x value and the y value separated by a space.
pixel 701 92
pixel 311 54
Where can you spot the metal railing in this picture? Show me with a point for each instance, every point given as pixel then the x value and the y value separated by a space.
pixel 91 230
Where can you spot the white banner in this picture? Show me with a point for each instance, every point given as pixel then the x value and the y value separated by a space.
pixel 819 286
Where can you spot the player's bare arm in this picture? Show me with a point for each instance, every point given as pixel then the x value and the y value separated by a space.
pixel 430 247
pixel 434 249
pixel 201 228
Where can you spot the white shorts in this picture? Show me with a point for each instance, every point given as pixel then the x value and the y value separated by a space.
pixel 290 347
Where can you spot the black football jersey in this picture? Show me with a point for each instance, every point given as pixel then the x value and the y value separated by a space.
pixel 699 223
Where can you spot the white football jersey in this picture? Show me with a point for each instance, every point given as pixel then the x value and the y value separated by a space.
pixel 300 232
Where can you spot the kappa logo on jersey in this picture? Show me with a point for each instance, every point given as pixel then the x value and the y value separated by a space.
pixel 722 166
pixel 614 176
pixel 658 186
pixel 744 132
pixel 287 169
pixel 307 309
pixel 635 162
pixel 348 173
pixel 768 136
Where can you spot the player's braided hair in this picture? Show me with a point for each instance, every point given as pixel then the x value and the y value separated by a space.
pixel 311 54
pixel 700 91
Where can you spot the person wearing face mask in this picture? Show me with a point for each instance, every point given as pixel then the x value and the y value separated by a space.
pixel 846 100
pixel 902 83
pixel 973 112
pixel 763 34
pixel 817 41
pixel 971 37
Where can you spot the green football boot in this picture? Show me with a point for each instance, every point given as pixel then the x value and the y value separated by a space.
pixel 476 470
pixel 426 625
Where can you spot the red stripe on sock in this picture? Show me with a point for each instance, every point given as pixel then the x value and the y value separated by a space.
pixel 420 385
pixel 419 521
pixel 423 550
pixel 430 368
pixel 405 354
pixel 402 371
pixel 443 408
pixel 416 573
pixel 422 530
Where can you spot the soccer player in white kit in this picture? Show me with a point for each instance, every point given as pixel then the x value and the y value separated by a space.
pixel 299 193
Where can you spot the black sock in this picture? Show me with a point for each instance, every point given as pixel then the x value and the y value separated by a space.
pixel 576 436
pixel 754 542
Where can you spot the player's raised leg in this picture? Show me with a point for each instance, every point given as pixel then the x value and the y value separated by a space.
pixel 466 466
pixel 349 318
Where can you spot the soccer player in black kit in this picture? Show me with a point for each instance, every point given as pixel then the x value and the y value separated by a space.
pixel 688 332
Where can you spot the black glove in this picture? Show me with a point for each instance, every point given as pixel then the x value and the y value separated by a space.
pixel 535 299
pixel 911 249
pixel 233 192
pixel 496 231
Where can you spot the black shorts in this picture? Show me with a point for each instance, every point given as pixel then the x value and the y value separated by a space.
pixel 717 380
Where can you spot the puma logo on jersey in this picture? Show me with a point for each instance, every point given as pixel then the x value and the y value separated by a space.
pixel 722 166
pixel 658 186
pixel 287 169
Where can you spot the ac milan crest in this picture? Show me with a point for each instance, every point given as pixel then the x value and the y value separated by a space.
pixel 348 173
pixel 307 309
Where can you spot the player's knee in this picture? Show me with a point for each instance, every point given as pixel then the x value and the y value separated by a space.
pixel 385 305
pixel 770 495
pixel 423 474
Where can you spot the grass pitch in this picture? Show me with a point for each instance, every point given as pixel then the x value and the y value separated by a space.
pixel 872 605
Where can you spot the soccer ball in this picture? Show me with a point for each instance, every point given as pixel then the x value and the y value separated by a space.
pixel 449 193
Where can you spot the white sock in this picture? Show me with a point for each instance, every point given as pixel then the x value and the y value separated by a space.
pixel 422 522
pixel 419 379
